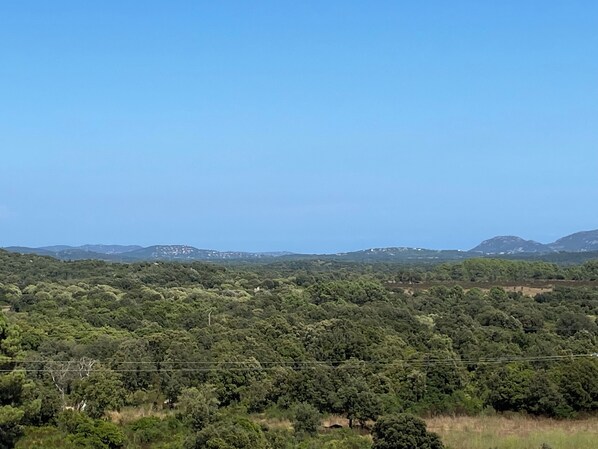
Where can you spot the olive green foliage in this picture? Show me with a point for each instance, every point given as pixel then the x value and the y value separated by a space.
pixel 101 390
pixel 208 347
pixel 91 433
pixel 229 433
pixel 151 430
pixel 403 432
pixel 17 403
pixel 197 406
pixel 306 418
pixel 46 437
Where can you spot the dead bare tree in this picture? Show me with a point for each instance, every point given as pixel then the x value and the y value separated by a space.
pixel 63 373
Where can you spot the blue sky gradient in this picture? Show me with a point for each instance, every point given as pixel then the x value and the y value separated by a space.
pixel 302 126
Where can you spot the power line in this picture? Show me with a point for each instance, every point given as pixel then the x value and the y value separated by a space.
pixel 298 366
pixel 327 361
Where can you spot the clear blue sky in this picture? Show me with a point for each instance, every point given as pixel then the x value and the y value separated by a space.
pixel 297 125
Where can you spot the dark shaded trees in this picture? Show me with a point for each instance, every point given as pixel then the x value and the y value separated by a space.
pixel 15 402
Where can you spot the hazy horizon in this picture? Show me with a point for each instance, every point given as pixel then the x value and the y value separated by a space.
pixel 304 127
pixel 280 250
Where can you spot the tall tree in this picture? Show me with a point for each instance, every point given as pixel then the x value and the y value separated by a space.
pixel 12 385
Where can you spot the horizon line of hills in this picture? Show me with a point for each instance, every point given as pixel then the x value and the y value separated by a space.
pixel 580 245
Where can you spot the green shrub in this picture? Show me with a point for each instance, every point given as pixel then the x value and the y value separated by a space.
pixel 403 432
pixel 307 418
pixel 91 433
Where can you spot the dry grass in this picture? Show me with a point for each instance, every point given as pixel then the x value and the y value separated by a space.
pixel 517 432
pixel 130 414
pixel 273 423
pixel 528 291
pixel 335 419
pixel 482 432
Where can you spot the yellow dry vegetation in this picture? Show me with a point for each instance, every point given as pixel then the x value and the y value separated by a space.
pixel 131 414
pixel 515 432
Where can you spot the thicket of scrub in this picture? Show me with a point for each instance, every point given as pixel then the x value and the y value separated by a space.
pixel 214 346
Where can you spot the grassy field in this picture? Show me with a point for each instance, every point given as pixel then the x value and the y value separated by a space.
pixel 493 432
pixel 483 432
pixel 517 432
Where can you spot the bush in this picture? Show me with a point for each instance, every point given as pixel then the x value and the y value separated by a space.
pixel 99 435
pixel 197 406
pixel 307 418
pixel 234 432
pixel 147 430
pixel 91 433
pixel 403 432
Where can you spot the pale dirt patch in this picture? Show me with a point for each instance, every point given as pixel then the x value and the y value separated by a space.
pixel 529 291
pixel 523 289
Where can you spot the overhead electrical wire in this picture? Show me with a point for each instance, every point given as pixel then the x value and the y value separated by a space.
pixel 255 365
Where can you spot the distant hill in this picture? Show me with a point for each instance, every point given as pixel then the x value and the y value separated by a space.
pixel 564 249
pixel 510 244
pixel 558 257
pixel 402 254
pixel 586 241
pixel 57 248
pixel 26 250
pixel 101 249
pixel 185 252
pixel 110 249
pixel 578 242
pixel 134 253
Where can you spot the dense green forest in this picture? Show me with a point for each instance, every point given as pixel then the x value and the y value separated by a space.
pixel 173 355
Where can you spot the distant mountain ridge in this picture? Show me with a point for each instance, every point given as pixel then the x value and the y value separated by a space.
pixel 581 242
pixel 400 253
pixel 510 244
pixel 185 252
pixel 585 241
pixel 100 249
pixel 135 253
